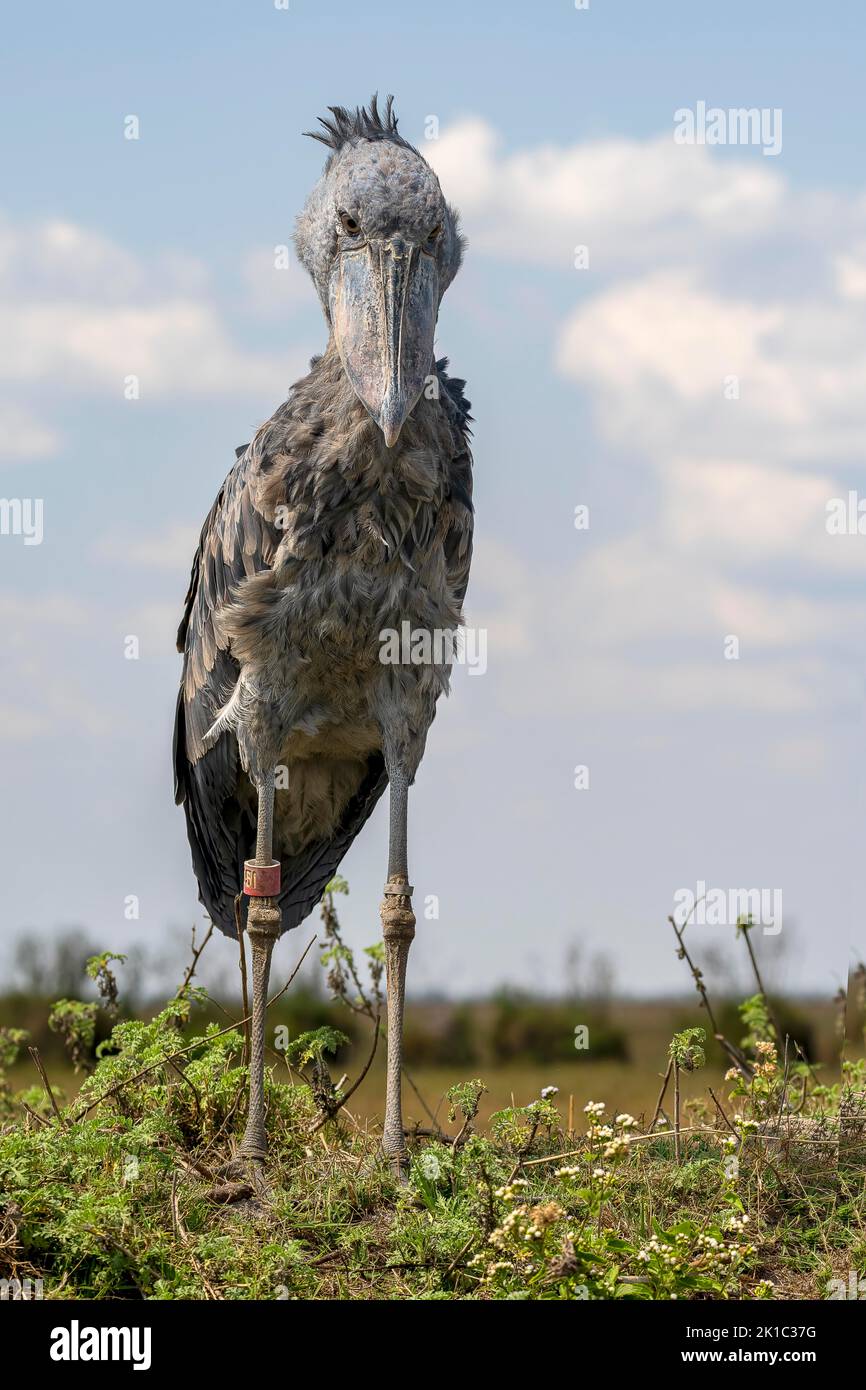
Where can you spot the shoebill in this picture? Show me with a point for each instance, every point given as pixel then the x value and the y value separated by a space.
pixel 348 516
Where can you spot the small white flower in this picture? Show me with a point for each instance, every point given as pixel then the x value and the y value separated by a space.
pixel 548 1091
pixel 430 1166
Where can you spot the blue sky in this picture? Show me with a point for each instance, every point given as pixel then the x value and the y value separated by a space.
pixel 602 386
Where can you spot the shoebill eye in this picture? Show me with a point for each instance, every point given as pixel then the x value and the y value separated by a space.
pixel 349 225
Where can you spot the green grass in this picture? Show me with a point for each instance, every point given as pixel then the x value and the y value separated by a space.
pixel 630 1087
pixel 119 1177
pixel 136 1198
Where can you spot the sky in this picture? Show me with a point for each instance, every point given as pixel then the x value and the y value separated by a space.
pixel 666 336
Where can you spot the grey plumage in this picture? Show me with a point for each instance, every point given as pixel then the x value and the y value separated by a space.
pixel 321 537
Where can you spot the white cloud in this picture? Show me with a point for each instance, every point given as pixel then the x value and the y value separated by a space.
pixel 663 333
pixel 629 200
pixel 22 436
pixel 659 355
pixel 82 313
pixel 276 285
pixel 702 267
pixel 179 347
pixel 171 549
pixel 18 724
pixel 850 267
pixel 501 599
pixel 40 634
pixel 746 515
pixel 637 626
pixel 20 614
pixel 58 259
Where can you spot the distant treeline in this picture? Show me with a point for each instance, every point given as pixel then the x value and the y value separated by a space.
pixel 509 1026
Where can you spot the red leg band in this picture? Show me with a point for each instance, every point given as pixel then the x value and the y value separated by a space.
pixel 261 880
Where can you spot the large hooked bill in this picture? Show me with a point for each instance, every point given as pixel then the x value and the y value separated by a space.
pixel 384 301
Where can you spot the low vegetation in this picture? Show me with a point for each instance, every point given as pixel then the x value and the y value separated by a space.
pixel 131 1190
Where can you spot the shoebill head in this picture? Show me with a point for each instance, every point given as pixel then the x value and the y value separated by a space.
pixel 382 246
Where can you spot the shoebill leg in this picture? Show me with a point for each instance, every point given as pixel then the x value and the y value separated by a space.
pixel 262 884
pixel 398 928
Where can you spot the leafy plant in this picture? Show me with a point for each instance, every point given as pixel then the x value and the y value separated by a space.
pixel 76 1024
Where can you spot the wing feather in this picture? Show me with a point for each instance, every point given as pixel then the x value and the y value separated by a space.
pixel 219 802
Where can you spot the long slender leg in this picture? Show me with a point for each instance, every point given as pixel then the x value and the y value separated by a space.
pixel 261 882
pixel 398 928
